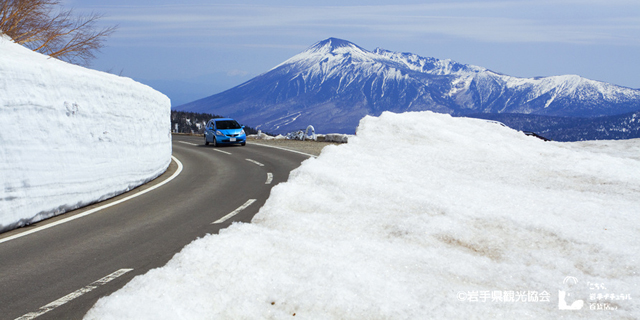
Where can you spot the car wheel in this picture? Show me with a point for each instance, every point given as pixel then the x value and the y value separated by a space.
pixel 243 144
pixel 215 143
pixel 206 143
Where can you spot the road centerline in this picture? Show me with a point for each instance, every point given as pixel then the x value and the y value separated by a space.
pixel 229 153
pixel 234 212
pixel 76 294
pixel 255 162
pixel 189 143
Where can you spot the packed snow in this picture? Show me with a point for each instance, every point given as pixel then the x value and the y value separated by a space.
pixel 419 216
pixel 71 136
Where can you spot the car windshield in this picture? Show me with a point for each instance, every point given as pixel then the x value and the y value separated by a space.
pixel 228 124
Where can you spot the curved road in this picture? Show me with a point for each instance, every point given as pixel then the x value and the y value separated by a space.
pixel 60 272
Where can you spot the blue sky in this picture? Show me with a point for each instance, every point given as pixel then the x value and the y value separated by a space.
pixel 194 48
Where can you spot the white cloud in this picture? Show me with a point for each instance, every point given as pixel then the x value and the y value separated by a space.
pixel 592 22
pixel 237 73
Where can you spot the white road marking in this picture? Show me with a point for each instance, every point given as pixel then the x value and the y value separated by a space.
pixel 221 151
pixel 189 143
pixel 234 212
pixel 68 298
pixel 281 148
pixel 256 162
pixel 269 178
pixel 88 212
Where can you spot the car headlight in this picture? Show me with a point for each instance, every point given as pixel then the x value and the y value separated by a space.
pixel 241 132
pixel 218 132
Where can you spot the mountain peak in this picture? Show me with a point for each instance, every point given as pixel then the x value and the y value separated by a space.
pixel 334 44
pixel 331 47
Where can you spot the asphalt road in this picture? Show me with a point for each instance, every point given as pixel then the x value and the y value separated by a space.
pixel 60 272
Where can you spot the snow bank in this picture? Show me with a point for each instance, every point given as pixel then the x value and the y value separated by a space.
pixel 70 136
pixel 445 218
pixel 263 136
pixel 335 137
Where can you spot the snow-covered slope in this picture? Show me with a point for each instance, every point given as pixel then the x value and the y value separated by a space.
pixel 457 218
pixel 70 136
pixel 334 83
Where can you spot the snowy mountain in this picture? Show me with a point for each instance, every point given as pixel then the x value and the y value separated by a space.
pixel 334 83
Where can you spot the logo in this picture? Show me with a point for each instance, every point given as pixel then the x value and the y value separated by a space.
pixel 563 295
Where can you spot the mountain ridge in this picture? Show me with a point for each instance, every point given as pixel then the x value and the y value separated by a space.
pixel 617 127
pixel 334 83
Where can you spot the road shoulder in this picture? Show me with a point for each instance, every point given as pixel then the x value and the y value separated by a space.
pixel 23 231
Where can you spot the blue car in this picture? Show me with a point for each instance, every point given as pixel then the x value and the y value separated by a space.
pixel 223 131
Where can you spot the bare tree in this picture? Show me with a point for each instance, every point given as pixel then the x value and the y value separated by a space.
pixel 46 27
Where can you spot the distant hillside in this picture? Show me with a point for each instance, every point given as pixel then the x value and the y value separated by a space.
pixel 335 83
pixel 625 126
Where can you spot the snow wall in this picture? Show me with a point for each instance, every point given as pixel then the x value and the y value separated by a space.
pixel 71 136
